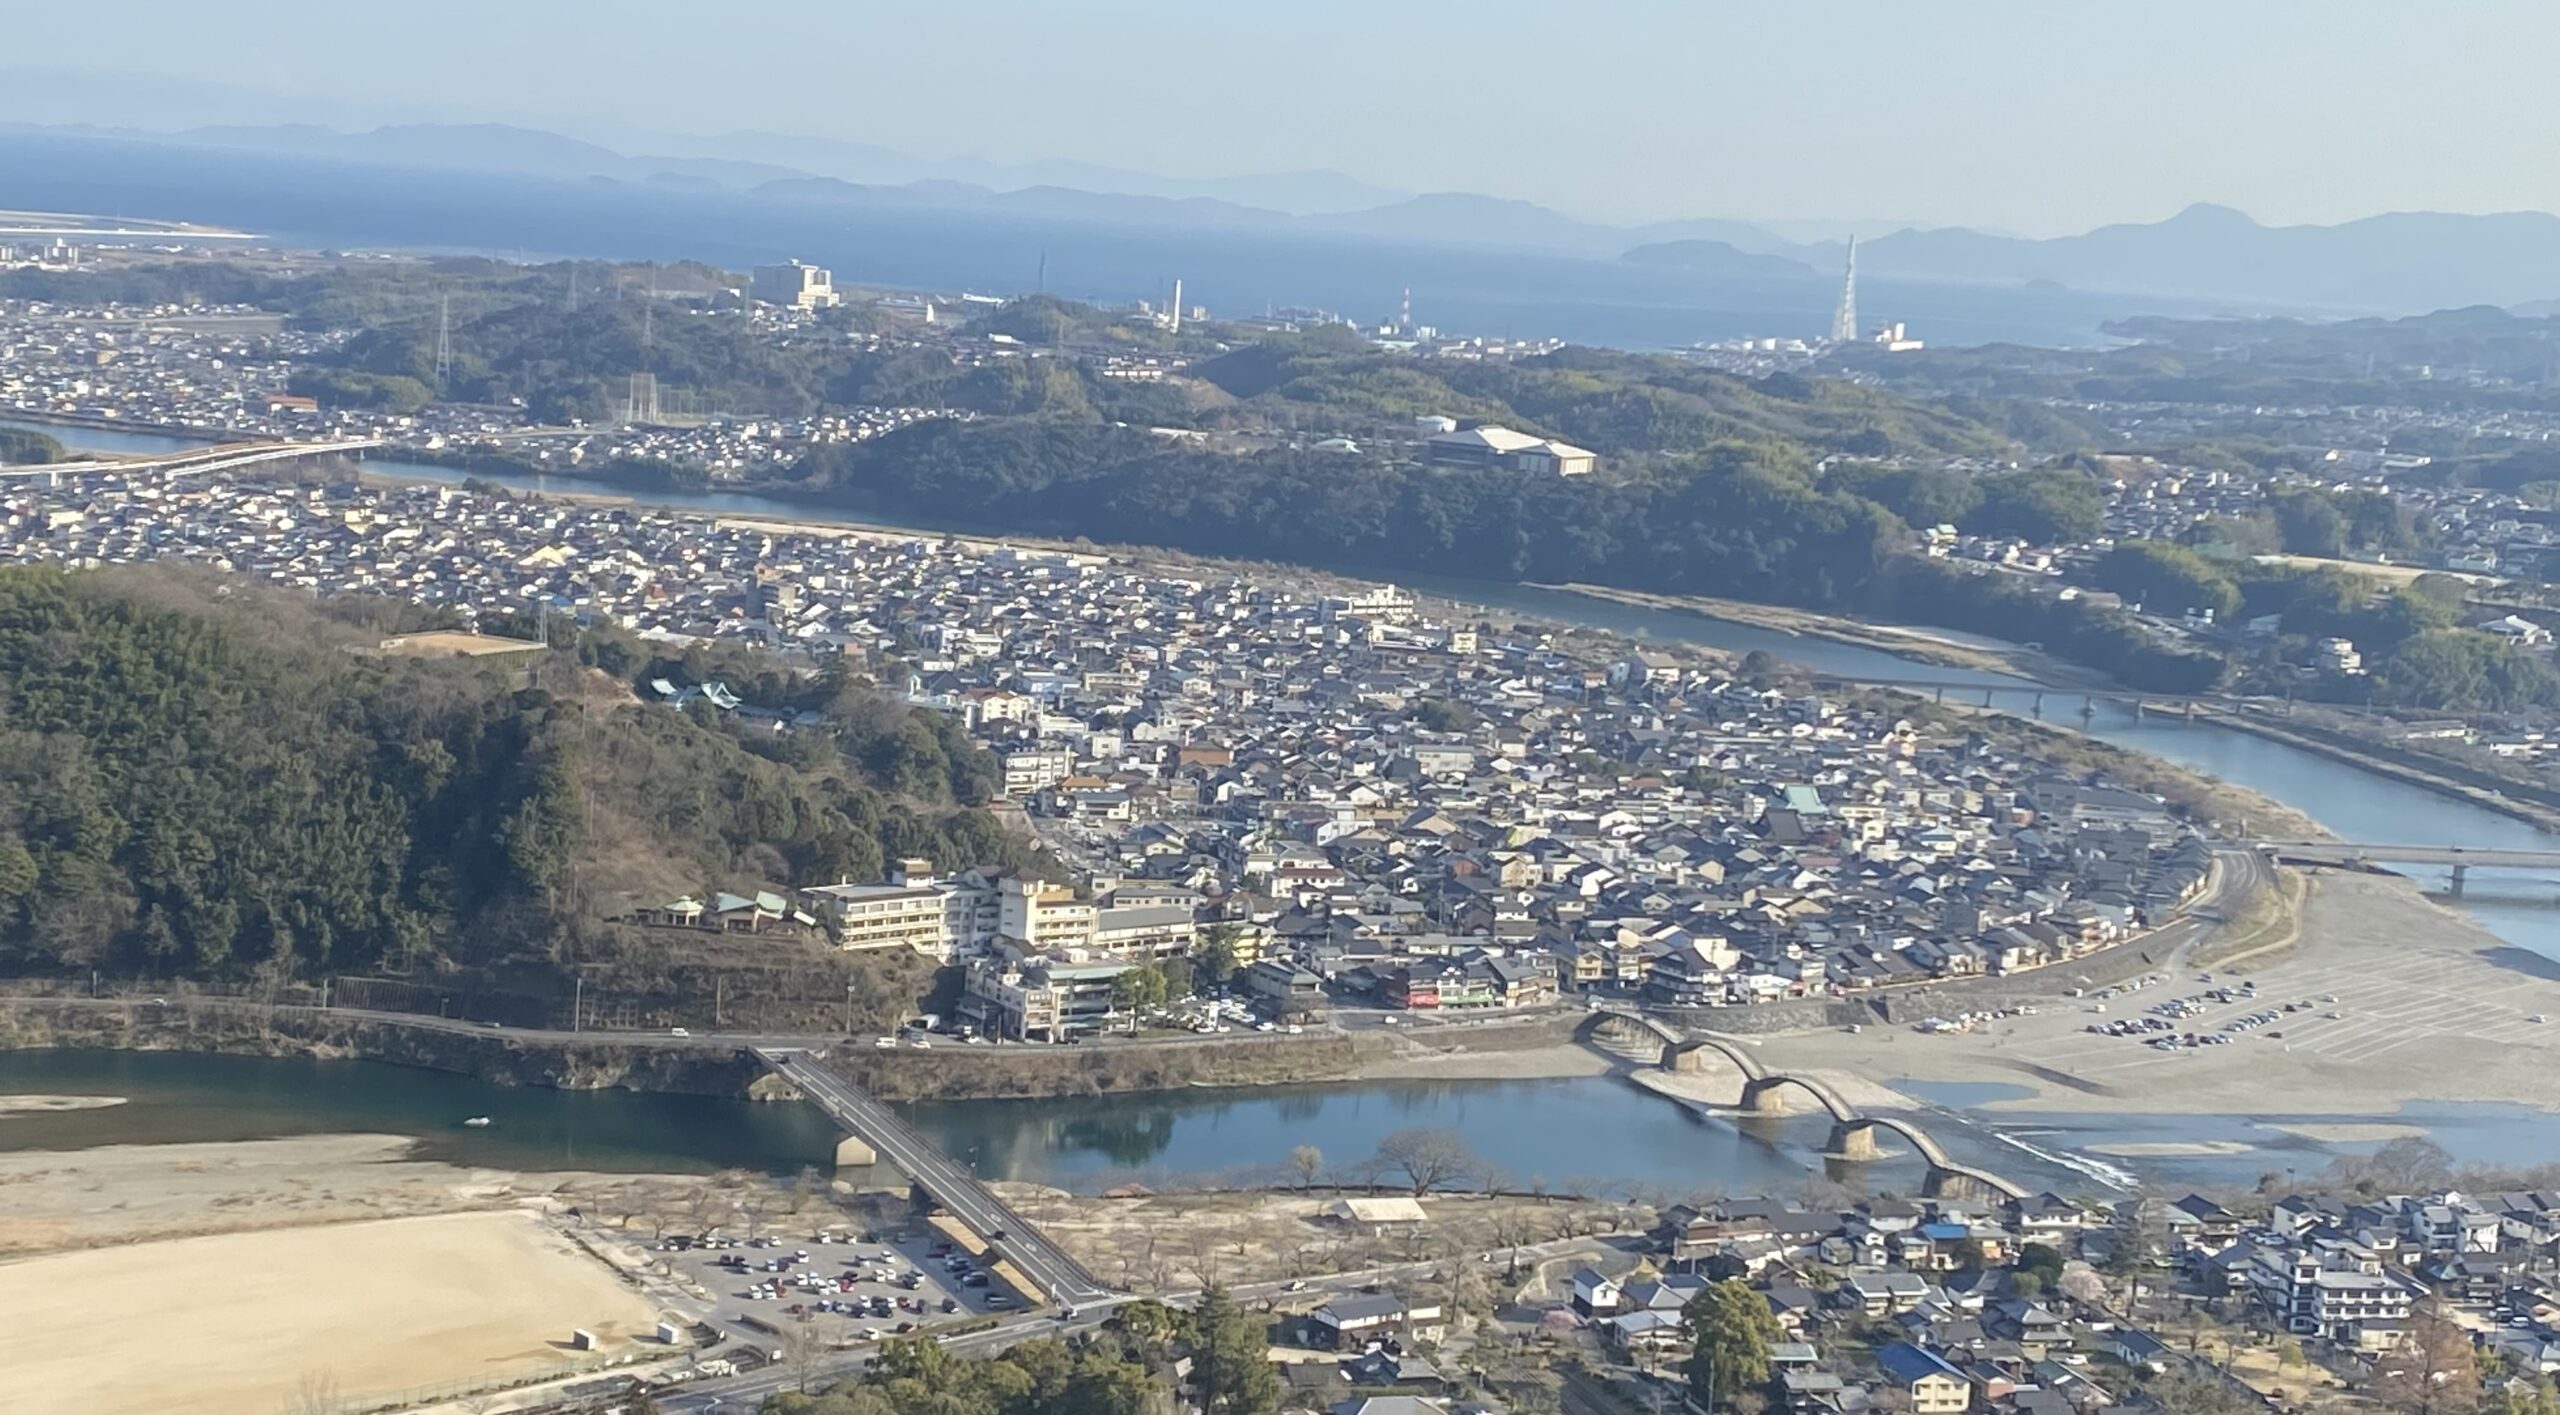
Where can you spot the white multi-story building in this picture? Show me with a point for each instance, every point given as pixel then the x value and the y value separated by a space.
pixel 2336 1291
pixel 794 285
pixel 916 909
pixel 1041 915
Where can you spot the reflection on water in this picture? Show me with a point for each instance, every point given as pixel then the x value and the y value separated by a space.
pixel 1589 1129
pixel 173 1097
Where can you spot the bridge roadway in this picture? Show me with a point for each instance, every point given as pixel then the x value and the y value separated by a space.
pixel 1852 1129
pixel 1060 1278
pixel 2338 852
pixel 198 462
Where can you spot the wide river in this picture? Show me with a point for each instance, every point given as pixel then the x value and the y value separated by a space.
pixel 1606 1127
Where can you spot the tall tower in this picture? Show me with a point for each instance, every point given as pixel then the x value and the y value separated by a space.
pixel 444 342
pixel 1404 313
pixel 1844 320
pixel 1177 304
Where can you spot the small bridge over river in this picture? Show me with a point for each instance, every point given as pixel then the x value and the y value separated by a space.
pixel 2340 854
pixel 1853 1131
pixel 876 1133
pixel 2034 694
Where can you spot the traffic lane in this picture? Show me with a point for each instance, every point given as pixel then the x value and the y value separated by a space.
pixel 957 1189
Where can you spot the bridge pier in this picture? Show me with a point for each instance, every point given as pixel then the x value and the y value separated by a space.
pixel 1761 1097
pixel 2460 873
pixel 1956 1184
pixel 2088 707
pixel 2038 708
pixel 853 1152
pixel 1854 1140
pixel 1986 697
pixel 1942 694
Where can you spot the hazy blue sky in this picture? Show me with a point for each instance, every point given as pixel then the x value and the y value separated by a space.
pixel 2035 115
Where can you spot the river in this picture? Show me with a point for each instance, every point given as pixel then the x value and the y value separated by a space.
pixel 1608 1126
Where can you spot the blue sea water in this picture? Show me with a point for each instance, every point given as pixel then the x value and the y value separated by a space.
pixel 316 204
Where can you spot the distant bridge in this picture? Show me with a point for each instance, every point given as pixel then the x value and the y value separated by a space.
pixel 196 462
pixel 2356 855
pixel 2036 693
pixel 877 1133
pixel 1852 1130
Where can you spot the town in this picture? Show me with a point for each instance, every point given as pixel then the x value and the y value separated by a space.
pixel 1350 797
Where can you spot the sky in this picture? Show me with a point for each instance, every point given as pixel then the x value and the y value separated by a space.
pixel 2033 116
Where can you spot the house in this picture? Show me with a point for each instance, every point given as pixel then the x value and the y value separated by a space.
pixel 1882 1294
pixel 1352 1323
pixel 2199 1222
pixel 1390 1405
pixel 1595 1294
pixel 1935 1386
pixel 1284 991
pixel 1383 1370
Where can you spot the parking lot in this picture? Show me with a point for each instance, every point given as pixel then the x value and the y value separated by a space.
pixel 854 1284
pixel 2357 1015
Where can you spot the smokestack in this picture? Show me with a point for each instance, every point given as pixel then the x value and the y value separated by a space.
pixel 1177 304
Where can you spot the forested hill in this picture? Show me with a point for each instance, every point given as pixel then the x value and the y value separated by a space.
pixel 201 779
pixel 1617 404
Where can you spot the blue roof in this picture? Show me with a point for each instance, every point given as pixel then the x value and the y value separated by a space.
pixel 1907 1363
pixel 1945 1232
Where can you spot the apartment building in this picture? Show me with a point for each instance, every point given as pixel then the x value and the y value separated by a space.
pixel 1043 915
pixel 1039 999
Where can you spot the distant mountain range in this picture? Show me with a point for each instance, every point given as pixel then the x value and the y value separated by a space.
pixel 2402 262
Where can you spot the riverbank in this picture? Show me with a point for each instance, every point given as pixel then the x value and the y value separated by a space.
pixel 2396 1001
pixel 58 1200
pixel 368 1311
pixel 2436 777
pixel 1914 642
pixel 229 1027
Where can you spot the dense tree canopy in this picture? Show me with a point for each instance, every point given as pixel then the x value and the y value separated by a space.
pixel 203 779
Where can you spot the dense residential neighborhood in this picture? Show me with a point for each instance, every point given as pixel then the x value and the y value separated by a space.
pixel 2037 1305
pixel 1417 810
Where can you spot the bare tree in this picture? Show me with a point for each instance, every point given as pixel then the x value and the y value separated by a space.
pixel 316 1393
pixel 2435 1369
pixel 1510 1230
pixel 804 1350
pixel 1469 1294
pixel 1308 1162
pixel 1427 1158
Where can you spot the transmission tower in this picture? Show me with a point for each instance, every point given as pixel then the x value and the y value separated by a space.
pixel 1844 320
pixel 640 403
pixel 444 341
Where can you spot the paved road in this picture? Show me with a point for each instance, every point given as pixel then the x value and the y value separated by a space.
pixel 1059 1277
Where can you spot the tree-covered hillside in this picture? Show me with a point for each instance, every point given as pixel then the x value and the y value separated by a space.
pixel 199 779
pixel 1618 404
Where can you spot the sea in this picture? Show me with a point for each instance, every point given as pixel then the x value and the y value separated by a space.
pixel 314 204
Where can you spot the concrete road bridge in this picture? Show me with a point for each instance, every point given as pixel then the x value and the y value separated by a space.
pixel 2463 859
pixel 200 461
pixel 874 1133
pixel 1853 1131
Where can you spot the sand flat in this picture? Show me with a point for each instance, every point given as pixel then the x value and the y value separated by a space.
pixel 239 1322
